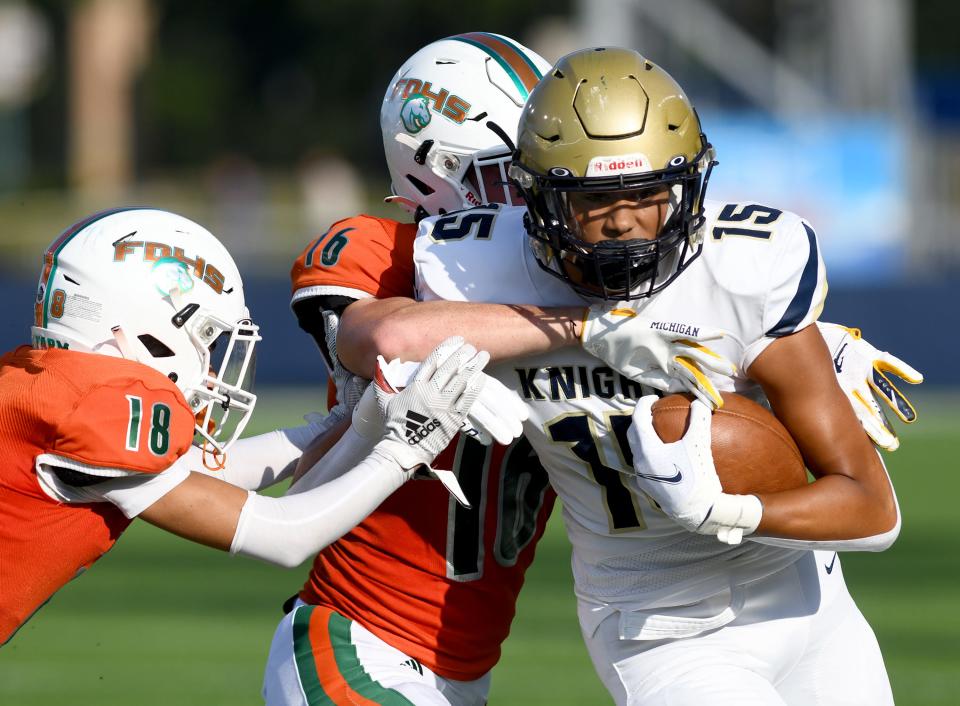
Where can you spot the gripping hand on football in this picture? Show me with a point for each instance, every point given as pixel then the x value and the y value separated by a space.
pixel 420 420
pixel 682 479
pixel 634 346
pixel 862 372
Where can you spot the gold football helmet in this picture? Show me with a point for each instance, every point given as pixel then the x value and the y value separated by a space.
pixel 609 120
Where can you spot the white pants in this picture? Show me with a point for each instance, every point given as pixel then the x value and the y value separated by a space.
pixel 320 657
pixel 798 639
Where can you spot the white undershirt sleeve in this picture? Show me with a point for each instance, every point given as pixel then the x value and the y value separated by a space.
pixel 130 491
pixel 257 462
pixel 348 452
pixel 289 530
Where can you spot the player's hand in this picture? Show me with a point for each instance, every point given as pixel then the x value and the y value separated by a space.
pixel 862 372
pixel 680 476
pixel 667 361
pixel 497 415
pixel 420 420
pixel 350 387
pixel 683 480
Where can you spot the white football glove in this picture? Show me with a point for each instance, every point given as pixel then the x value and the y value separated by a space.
pixel 420 420
pixel 641 350
pixel 682 479
pixel 862 373
pixel 496 416
pixel 350 387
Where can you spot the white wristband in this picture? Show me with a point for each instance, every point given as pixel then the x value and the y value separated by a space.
pixel 732 517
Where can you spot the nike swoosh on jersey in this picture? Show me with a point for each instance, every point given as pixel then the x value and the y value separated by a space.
pixel 664 479
pixel 829 567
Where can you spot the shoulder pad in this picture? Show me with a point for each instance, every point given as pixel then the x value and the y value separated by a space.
pixel 131 419
pixel 764 252
pixel 475 255
pixel 357 257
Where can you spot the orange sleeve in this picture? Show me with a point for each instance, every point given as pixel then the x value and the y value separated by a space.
pixel 357 257
pixel 138 424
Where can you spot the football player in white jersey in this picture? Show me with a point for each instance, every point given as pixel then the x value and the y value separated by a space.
pixel 674 606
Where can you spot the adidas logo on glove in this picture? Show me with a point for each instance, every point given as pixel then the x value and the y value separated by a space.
pixel 419 427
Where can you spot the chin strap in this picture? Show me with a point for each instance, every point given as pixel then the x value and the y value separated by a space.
pixel 217 459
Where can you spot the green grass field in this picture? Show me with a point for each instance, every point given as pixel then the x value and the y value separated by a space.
pixel 159 621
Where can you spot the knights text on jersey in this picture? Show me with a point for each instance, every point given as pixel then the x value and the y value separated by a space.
pixel 760 276
pixel 357 257
pixel 106 414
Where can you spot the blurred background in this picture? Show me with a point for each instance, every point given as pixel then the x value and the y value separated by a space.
pixel 260 120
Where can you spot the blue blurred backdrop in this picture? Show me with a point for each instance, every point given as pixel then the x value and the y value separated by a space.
pixel 260 120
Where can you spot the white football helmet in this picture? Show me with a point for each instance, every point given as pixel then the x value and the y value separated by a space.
pixel 444 118
pixel 152 286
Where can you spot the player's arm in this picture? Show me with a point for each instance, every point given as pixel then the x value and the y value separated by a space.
pixel 851 504
pixel 284 531
pixel 319 446
pixel 399 327
pixel 288 530
pixel 851 497
pixel 258 462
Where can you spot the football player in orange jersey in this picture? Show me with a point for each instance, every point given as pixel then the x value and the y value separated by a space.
pixel 142 343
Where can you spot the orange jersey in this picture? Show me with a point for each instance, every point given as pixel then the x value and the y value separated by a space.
pixel 357 257
pixel 102 412
pixel 433 579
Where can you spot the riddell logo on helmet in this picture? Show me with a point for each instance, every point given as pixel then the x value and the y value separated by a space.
pixel 623 164
pixel 152 252
pixel 445 103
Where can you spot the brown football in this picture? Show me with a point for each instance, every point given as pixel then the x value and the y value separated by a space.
pixel 752 451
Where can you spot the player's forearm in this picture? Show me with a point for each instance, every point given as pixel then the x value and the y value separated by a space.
pixel 289 530
pixel 349 449
pixel 852 497
pixel 257 462
pixel 339 491
pixel 409 330
pixel 832 508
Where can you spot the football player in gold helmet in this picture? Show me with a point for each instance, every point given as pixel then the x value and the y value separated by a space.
pixel 675 606
pixel 614 168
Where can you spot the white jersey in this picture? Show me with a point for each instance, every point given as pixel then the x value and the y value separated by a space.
pixel 759 276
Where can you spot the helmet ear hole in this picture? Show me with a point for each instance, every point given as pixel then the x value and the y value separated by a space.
pixel 155 347
pixel 423 188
